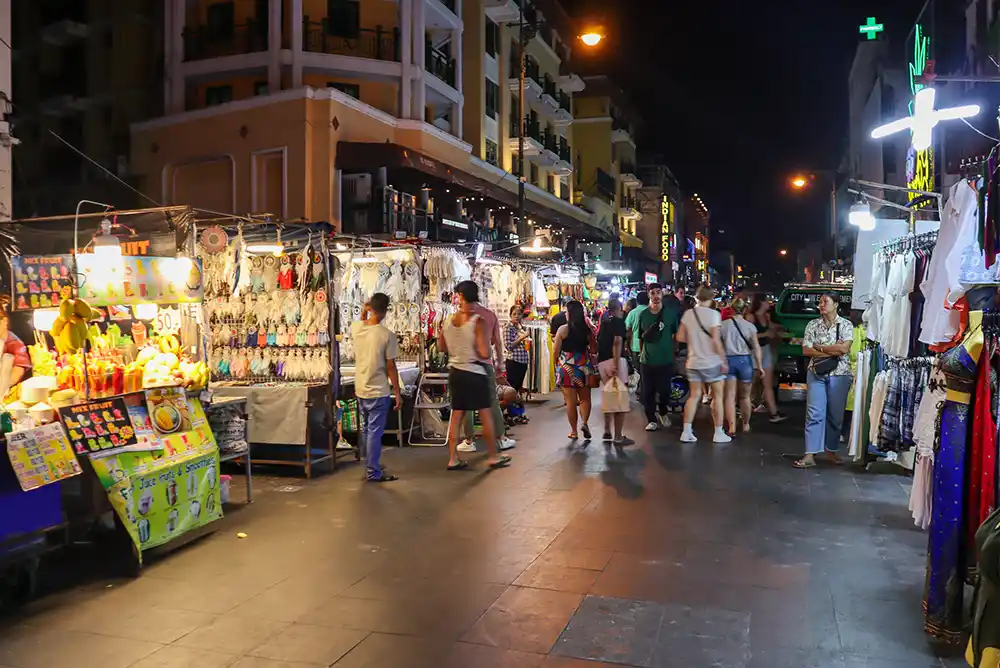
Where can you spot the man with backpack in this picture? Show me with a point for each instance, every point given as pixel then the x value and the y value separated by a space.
pixel 657 327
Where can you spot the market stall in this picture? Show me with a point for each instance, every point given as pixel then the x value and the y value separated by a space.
pixel 114 373
pixel 267 314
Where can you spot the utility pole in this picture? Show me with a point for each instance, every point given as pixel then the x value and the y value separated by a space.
pixel 522 224
pixel 7 142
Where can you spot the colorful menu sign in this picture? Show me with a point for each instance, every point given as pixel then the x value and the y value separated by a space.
pixel 41 456
pixel 140 280
pixel 41 281
pixel 99 428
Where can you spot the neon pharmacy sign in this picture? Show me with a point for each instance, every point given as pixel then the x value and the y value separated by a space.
pixel 871 29
pixel 668 216
pixel 919 164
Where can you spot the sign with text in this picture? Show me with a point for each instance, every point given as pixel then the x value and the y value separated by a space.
pixel 41 281
pixel 99 428
pixel 41 456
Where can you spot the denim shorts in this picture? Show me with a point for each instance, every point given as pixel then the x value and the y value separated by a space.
pixel 711 375
pixel 741 368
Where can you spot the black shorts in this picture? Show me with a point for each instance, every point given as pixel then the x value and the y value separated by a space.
pixel 469 391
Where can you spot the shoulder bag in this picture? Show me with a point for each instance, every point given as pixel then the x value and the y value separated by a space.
pixel 826 365
pixel 654 331
pixel 739 330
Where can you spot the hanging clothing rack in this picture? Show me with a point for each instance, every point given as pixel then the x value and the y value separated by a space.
pixel 920 241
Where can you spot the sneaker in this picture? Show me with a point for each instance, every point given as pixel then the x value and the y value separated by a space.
pixel 705 399
pixel 466 446
pixel 778 417
pixel 664 419
pixel 687 436
pixel 607 437
pixel 721 437
pixel 507 444
pixel 652 426
pixel 625 440
pixel 760 408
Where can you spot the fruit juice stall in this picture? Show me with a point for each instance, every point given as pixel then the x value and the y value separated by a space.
pixel 116 373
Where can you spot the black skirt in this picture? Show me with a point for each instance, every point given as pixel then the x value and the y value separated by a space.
pixel 469 391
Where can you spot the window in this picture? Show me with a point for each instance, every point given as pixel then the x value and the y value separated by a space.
pixel 260 88
pixel 218 95
pixel 551 185
pixel 534 173
pixel 221 19
pixel 354 90
pixel 492 99
pixel 492 38
pixel 343 18
pixel 492 154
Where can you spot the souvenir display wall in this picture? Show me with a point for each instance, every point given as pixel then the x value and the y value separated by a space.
pixel 392 271
pixel 267 316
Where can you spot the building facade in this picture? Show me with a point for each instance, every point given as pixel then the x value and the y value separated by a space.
pixel 83 72
pixel 661 204
pixel 369 115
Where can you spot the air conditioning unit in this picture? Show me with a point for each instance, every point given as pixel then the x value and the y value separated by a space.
pixel 356 189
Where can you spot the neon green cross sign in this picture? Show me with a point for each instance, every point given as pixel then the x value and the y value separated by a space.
pixel 871 28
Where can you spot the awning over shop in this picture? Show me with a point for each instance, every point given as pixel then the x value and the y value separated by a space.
pixel 630 240
pixel 370 156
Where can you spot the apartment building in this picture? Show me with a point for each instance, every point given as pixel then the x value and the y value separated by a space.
pixel 365 114
pixel 661 204
pixel 606 176
pixel 84 70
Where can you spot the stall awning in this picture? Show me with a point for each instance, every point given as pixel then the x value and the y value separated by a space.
pixel 630 240
pixel 369 156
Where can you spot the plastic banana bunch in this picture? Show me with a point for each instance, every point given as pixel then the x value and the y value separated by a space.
pixel 69 330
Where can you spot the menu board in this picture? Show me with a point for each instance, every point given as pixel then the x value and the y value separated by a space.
pixel 99 428
pixel 141 280
pixel 41 456
pixel 145 436
pixel 41 281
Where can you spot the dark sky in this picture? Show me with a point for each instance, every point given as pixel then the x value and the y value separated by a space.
pixel 738 95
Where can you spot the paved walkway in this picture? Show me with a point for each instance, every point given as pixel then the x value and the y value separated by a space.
pixel 676 556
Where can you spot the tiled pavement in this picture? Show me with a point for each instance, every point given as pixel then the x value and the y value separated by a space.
pixel 675 556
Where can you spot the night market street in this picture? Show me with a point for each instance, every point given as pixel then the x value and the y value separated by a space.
pixel 677 555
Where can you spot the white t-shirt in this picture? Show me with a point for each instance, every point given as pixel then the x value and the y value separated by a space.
pixel 701 353
pixel 373 345
pixel 735 334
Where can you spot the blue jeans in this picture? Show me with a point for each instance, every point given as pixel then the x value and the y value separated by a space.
pixel 374 413
pixel 826 400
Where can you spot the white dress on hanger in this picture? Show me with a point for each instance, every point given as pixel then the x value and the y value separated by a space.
pixel 942 287
pixel 873 314
pixel 857 441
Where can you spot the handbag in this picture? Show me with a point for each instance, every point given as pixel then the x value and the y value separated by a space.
pixel 826 365
pixel 614 396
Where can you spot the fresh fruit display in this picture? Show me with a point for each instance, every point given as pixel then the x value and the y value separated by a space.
pixel 70 331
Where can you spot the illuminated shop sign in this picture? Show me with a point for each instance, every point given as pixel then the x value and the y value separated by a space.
pixel 665 229
pixel 919 164
pixel 871 29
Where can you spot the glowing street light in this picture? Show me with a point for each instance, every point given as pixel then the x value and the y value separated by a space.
pixel 783 252
pixel 591 38
pixel 799 182
pixel 924 118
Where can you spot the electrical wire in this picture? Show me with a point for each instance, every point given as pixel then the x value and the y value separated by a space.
pixel 978 131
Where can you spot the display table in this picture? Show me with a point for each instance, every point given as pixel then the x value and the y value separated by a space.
pixel 290 424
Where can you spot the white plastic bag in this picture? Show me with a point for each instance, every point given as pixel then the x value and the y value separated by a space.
pixel 614 396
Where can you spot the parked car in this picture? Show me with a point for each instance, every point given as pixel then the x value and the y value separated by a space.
pixel 797 304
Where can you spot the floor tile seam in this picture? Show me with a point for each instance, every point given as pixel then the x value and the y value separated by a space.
pixel 348 651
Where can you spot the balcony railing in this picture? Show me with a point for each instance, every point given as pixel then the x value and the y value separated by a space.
pixel 626 168
pixel 550 141
pixel 440 65
pixel 377 43
pixel 565 101
pixel 201 42
pixel 549 87
pixel 605 183
pixel 565 152
pixel 532 128
pixel 629 202
pixel 531 68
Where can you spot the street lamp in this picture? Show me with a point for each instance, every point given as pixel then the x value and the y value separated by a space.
pixel 799 182
pixel 526 31
pixel 783 252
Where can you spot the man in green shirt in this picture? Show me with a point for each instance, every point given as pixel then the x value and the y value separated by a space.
pixel 659 324
pixel 632 329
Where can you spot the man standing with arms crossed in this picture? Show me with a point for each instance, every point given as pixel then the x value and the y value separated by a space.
pixel 496 348
pixel 375 351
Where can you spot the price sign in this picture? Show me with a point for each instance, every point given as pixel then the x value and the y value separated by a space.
pixel 168 321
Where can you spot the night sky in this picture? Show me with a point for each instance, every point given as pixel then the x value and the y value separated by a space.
pixel 738 95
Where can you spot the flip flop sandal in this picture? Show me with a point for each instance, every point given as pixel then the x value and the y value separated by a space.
pixel 461 466
pixel 799 464
pixel 573 437
pixel 503 462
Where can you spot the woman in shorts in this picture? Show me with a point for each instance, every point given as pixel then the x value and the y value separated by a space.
pixel 707 366
pixel 574 344
pixel 464 338
pixel 739 338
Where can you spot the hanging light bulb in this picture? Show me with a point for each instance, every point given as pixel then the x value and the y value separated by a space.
pixel 861 217
pixel 107 248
